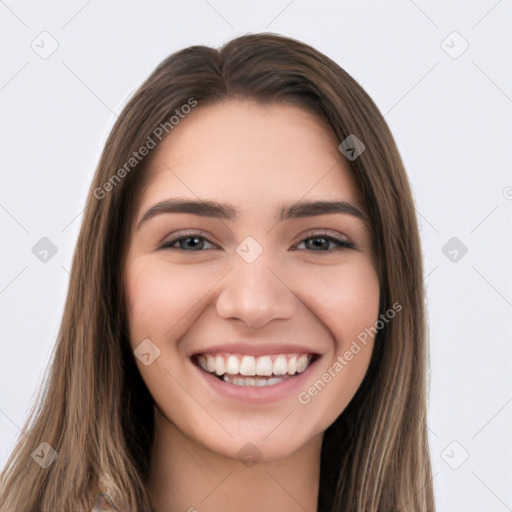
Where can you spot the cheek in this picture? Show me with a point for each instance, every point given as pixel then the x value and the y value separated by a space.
pixel 160 297
pixel 348 300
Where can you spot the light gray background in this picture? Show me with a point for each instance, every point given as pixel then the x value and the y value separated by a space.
pixel 451 117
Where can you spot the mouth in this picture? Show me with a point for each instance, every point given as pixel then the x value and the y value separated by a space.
pixel 251 370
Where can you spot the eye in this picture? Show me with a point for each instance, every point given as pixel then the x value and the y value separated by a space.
pixel 319 242
pixel 192 242
pixel 324 242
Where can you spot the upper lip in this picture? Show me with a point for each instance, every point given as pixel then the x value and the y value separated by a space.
pixel 254 349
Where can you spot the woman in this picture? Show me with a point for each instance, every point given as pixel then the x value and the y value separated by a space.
pixel 245 324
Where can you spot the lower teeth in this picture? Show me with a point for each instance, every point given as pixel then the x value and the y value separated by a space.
pixel 252 381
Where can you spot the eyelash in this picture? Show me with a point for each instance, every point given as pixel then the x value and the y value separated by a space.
pixel 340 243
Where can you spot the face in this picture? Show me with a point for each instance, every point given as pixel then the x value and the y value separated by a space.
pixel 249 283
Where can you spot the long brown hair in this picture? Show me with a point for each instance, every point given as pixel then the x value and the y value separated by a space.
pixel 96 411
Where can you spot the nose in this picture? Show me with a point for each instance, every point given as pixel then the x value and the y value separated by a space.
pixel 255 294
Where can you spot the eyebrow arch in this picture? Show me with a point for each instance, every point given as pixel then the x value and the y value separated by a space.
pixel 214 209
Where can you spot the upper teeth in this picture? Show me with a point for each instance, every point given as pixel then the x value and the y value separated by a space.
pixel 276 364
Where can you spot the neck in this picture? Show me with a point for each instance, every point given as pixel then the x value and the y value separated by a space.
pixel 187 477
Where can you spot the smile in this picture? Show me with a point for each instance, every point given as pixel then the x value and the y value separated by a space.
pixel 249 370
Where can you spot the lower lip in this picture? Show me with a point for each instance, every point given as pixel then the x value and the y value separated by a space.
pixel 258 394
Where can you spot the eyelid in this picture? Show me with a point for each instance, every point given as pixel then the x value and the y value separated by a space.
pixel 327 233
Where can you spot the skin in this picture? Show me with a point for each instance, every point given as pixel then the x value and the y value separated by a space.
pixel 256 158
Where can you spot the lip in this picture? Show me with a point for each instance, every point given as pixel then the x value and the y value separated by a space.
pixel 245 349
pixel 259 394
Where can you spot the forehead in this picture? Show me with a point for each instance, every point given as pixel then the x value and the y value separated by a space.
pixel 251 153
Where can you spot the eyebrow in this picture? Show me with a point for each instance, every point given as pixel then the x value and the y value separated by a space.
pixel 206 208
